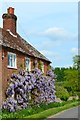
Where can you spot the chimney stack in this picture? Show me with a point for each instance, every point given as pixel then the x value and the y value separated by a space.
pixel 9 20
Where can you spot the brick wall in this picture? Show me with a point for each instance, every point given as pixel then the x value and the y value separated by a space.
pixel 46 67
pixel 6 72
pixel 0 75
pixel 10 24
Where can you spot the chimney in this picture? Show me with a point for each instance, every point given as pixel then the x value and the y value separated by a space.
pixel 9 20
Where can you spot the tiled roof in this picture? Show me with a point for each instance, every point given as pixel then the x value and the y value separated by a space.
pixel 17 42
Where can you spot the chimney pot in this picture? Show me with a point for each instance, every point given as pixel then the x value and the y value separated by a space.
pixel 10 10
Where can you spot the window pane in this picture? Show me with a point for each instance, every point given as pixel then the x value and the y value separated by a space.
pixel 8 59
pixel 42 67
pixel 27 62
pixel 11 60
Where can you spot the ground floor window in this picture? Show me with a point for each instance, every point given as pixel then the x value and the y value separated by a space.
pixel 43 67
pixel 28 64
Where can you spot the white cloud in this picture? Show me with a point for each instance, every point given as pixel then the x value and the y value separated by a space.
pixel 56 33
pixel 51 54
pixel 75 51
pixel 50 43
pixel 54 30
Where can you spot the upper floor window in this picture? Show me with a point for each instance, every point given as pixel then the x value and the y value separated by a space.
pixel 11 60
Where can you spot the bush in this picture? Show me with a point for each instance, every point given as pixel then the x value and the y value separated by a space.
pixel 62 93
pixel 27 89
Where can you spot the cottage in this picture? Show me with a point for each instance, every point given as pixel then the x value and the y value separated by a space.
pixel 15 52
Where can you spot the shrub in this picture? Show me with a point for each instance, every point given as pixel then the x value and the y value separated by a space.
pixel 29 88
pixel 62 93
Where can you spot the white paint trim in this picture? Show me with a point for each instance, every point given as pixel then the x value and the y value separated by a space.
pixel 11 67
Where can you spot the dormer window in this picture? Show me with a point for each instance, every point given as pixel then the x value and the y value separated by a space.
pixel 12 60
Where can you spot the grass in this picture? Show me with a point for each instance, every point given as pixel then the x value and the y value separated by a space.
pixel 43 115
pixel 41 112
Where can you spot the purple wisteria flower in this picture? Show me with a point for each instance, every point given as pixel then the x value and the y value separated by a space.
pixel 27 88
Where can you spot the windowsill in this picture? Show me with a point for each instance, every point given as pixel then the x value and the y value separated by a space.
pixel 11 67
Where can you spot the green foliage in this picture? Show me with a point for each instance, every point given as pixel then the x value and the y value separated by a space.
pixel 40 65
pixel 70 77
pixel 39 109
pixel 59 83
pixel 60 73
pixel 30 111
pixel 62 93
pixel 71 81
pixel 21 66
pixel 45 114
pixel 76 61
pixel 78 93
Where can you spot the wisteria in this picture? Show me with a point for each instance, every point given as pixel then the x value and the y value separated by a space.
pixel 29 88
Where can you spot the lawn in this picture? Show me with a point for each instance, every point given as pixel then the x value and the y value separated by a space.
pixel 43 115
pixel 42 111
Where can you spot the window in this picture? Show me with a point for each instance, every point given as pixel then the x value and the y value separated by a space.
pixel 28 64
pixel 43 67
pixel 12 60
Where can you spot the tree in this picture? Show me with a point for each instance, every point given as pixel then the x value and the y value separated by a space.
pixel 76 62
pixel 71 81
pixel 60 74
pixel 62 93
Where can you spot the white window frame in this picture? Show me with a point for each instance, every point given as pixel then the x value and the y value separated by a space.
pixel 15 64
pixel 29 67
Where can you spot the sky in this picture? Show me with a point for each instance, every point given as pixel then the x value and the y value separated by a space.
pixel 51 27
